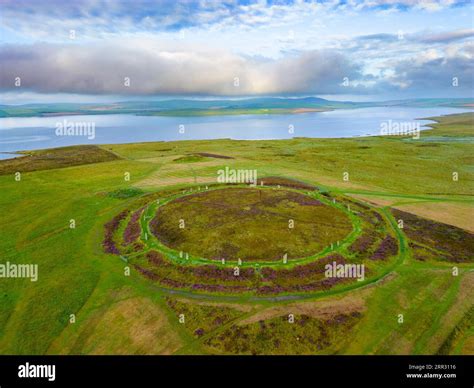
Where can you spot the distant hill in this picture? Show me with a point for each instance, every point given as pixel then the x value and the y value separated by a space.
pixel 189 107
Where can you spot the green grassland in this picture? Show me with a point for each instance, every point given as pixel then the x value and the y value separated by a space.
pixel 415 305
pixel 55 158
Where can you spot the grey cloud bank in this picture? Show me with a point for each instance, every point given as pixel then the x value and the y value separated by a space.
pixel 145 69
pixel 392 49
pixel 105 69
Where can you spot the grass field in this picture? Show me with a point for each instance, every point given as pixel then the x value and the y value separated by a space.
pixel 254 225
pixel 87 301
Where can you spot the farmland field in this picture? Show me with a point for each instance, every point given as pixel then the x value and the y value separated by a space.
pixel 140 250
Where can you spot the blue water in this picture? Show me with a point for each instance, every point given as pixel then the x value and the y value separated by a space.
pixel 30 133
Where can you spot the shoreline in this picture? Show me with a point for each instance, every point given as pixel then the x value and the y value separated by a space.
pixel 433 120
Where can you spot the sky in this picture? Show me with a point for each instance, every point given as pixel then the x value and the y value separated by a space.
pixel 112 50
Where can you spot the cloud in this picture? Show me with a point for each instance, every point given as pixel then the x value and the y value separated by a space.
pixel 427 5
pixel 428 37
pixel 98 18
pixel 382 37
pixel 102 69
pixel 157 69
pixel 200 47
pixel 446 73
pixel 448 36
